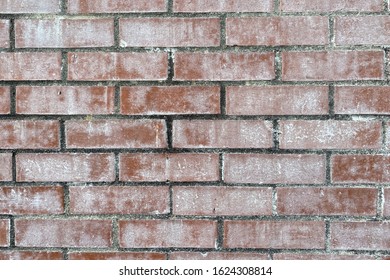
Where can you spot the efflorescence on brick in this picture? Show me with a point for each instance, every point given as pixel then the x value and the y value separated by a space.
pixel 177 129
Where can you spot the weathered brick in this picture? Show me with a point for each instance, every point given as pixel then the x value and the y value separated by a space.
pixel 360 235
pixel 118 200
pixel 29 6
pixel 64 33
pixel 116 134
pixel 222 134
pixel 30 66
pixel 224 66
pixel 4 232
pixel 304 134
pixel 99 66
pixel 274 234
pixel 307 256
pixel 116 6
pixel 360 168
pixel 277 31
pixel 31 255
pixel 217 256
pixel 386 210
pixel 333 65
pixel 4 33
pixel 222 201
pixel 223 6
pixel 116 256
pixel 169 167
pixel 327 201
pixel 331 6
pixel 28 134
pixel 5 100
pixel 5 167
pixel 64 100
pixel 65 167
pixel 63 233
pixel 137 100
pixel 274 168
pixel 159 233
pixel 31 200
pixel 277 100
pixel 169 32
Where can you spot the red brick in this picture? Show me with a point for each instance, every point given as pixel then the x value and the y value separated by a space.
pixel 223 6
pixel 116 6
pixel 360 168
pixel 4 33
pixel 169 167
pixel 31 200
pixel 274 168
pixel 327 201
pixel 31 255
pixel 306 256
pixel 362 30
pixel 29 6
pixel 65 167
pixel 360 235
pixel 224 66
pixel 222 134
pixel 331 6
pixel 274 234
pixel 4 233
pixel 274 31
pixel 119 200
pixel 169 32
pixel 167 233
pixel 388 135
pixel 137 100
pixel 333 65
pixel 116 256
pixel 116 134
pixel 64 33
pixel 277 100
pixel 5 100
pixel 98 66
pixel 5 167
pixel 217 256
pixel 29 134
pixel 64 100
pixel 63 233
pixel 30 66
pixel 304 134
pixel 386 210
pixel 362 100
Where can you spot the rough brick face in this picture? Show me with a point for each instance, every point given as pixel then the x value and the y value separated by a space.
pixel 331 6
pixel 4 33
pixel 115 6
pixel 116 256
pixel 4 232
pixel 201 6
pixel 5 167
pixel 31 255
pixel 29 6
pixel 386 211
pixel 5 100
pixel 217 256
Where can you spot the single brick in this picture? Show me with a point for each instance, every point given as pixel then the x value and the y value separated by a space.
pixel 362 30
pixel 224 66
pixel 100 134
pixel 65 167
pixel 118 200
pixel 223 6
pixel 4 33
pixel 277 31
pixel 30 66
pixel 138 100
pixel 362 100
pixel 4 232
pixel 327 201
pixel 320 256
pixel 64 33
pixel 360 235
pixel 277 100
pixel 274 234
pixel 305 134
pixel 5 100
pixel 169 32
pixel 116 6
pixel 387 141
pixel 31 255
pixel 167 233
pixel 28 134
pixel 31 200
pixel 222 134
pixel 116 256
pixel 169 167
pixel 333 65
pixel 64 100
pixel 5 167
pixel 360 168
pixel 98 66
pixel 29 6
pixel 331 6
pixel 63 233
pixel 217 256
pixel 222 201
pixel 386 199
pixel 274 168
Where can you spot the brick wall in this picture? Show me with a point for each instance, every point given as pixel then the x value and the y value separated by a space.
pixel 194 129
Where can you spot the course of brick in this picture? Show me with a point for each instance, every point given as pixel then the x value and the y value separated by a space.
pixel 194 129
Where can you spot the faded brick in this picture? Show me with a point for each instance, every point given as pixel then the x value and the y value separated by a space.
pixel 116 6
pixel 331 6
pixel 5 167
pixel 116 256
pixel 5 100
pixel 4 232
pixel 29 6
pixel 223 6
